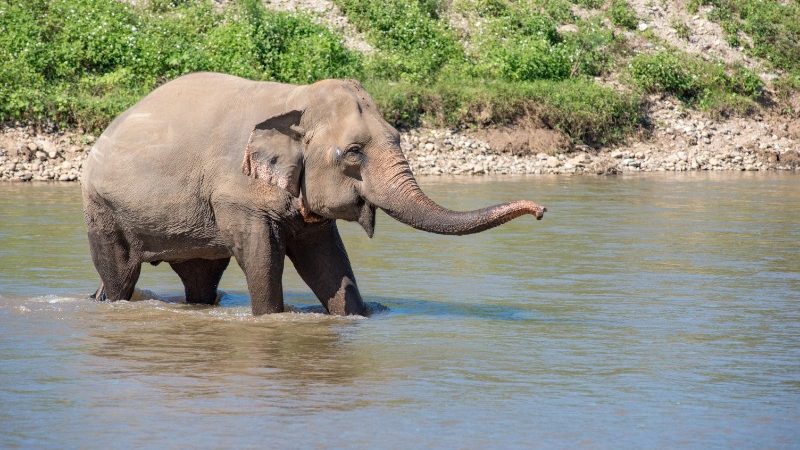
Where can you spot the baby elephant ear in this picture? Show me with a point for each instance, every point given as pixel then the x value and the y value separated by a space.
pixel 274 152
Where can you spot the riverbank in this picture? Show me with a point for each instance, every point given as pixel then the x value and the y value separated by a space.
pixel 679 140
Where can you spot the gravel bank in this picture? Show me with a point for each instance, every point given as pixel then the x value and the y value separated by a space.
pixel 443 152
pixel 46 155
pixel 678 142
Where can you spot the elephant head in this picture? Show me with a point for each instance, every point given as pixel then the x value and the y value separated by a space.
pixel 332 149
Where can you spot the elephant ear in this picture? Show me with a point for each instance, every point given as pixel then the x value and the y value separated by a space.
pixel 274 152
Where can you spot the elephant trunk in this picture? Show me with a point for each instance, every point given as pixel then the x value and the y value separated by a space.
pixel 401 198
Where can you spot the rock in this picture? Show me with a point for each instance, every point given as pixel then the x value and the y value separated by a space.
pixel 631 163
pixel 32 147
pixel 578 161
pixel 553 162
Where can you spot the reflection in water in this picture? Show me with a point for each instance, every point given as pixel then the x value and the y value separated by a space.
pixel 653 311
pixel 188 341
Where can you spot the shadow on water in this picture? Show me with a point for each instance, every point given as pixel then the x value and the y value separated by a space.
pixel 377 306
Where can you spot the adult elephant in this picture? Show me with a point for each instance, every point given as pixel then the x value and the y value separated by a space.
pixel 210 166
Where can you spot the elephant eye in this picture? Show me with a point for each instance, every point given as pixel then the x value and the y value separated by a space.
pixel 352 154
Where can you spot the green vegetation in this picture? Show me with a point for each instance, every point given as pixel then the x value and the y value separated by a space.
pixel 415 44
pixel 682 30
pixel 580 108
pixel 787 91
pixel 82 62
pixel 713 87
pixel 519 42
pixel 516 65
pixel 773 27
pixel 622 15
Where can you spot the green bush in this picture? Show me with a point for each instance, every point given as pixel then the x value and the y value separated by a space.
pixel 622 15
pixel 415 44
pixel 593 49
pixel 22 89
pixel 82 62
pixel 523 44
pixel 531 59
pixel 291 48
pixel 713 87
pixel 89 36
pixel 582 109
pixel 665 72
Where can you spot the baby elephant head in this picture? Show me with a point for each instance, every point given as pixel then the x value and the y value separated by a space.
pixel 332 148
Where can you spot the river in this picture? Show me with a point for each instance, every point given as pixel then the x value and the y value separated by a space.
pixel 654 311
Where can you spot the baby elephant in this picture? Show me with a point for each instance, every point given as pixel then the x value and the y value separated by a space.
pixel 210 166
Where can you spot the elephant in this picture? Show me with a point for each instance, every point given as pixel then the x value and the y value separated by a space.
pixel 211 166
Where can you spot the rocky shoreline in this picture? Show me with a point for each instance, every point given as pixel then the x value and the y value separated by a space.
pixel 443 152
pixel 683 144
pixel 27 154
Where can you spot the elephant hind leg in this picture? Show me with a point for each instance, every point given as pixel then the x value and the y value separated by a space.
pixel 200 278
pixel 117 265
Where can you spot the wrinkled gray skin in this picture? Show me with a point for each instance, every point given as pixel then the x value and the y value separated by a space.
pixel 210 166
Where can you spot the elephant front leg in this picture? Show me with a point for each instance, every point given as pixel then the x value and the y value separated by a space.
pixel 259 250
pixel 319 256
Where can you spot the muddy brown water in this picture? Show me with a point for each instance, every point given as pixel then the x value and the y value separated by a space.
pixel 654 311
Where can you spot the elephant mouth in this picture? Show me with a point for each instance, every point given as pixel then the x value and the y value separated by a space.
pixel 366 217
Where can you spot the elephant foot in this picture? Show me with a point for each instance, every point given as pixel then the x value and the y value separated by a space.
pixel 100 294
